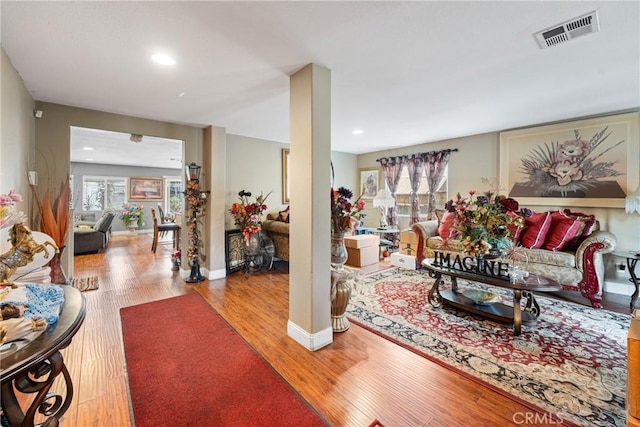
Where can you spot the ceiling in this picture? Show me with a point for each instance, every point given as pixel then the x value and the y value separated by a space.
pixel 402 72
pixel 116 148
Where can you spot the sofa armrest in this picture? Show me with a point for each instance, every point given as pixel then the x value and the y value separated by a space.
pixel 424 230
pixel 590 263
pixel 601 242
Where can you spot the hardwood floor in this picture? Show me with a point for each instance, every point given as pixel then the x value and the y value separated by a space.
pixel 358 378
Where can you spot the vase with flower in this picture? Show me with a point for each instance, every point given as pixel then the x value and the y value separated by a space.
pixel 131 216
pixel 488 223
pixel 343 219
pixel 247 216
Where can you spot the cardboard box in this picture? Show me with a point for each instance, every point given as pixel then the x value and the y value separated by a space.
pixel 404 261
pixel 363 256
pixel 408 237
pixel 408 248
pixel 362 241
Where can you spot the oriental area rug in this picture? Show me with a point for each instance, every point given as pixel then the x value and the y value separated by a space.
pixel 570 363
pixel 187 367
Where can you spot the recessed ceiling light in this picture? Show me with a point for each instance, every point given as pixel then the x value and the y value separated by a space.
pixel 163 59
pixel 87 148
pixel 358 131
pixel 89 160
pixel 181 94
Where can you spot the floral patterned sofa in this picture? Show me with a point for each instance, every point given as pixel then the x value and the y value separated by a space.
pixel 578 265
pixel 276 227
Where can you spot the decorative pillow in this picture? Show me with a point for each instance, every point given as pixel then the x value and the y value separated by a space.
pixel 563 228
pixel 587 225
pixel 284 215
pixel 535 230
pixel 445 228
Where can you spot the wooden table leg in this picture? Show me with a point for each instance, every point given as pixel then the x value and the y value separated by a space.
pixel 434 294
pixel 517 315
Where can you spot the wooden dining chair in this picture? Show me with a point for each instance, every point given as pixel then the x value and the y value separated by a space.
pixel 158 228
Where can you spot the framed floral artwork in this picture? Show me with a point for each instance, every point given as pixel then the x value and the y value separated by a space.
pixel 369 182
pixel 591 162
pixel 141 188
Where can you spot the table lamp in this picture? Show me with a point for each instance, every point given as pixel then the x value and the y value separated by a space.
pixel 383 200
pixel 632 205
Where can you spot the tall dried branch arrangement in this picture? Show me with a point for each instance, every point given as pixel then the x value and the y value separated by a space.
pixel 55 225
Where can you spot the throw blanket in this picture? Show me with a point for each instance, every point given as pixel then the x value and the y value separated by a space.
pixel 40 301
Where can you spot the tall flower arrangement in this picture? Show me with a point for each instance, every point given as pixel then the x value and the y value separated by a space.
pixel 343 211
pixel 486 221
pixel 55 225
pixel 247 215
pixel 131 213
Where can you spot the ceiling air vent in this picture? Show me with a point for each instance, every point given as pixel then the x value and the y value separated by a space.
pixel 569 30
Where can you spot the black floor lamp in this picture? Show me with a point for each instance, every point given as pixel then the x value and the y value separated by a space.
pixel 196 199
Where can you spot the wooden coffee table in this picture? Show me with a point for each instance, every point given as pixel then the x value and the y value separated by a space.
pixel 497 311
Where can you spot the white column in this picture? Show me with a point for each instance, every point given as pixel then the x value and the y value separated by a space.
pixel 214 159
pixel 309 228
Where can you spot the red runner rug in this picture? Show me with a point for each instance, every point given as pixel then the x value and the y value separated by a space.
pixel 187 367
pixel 570 365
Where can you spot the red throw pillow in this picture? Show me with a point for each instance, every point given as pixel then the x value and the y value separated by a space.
pixel 446 223
pixel 587 224
pixel 563 229
pixel 535 230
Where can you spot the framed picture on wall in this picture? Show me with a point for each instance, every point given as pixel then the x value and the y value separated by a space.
pixel 286 182
pixel 591 163
pixel 143 188
pixel 234 250
pixel 369 182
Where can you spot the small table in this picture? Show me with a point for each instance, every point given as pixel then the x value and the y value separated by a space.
pixel 383 242
pixel 632 261
pixel 499 312
pixel 34 367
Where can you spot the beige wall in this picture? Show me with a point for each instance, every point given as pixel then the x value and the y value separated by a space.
pixel 478 157
pixel 52 149
pixel 17 133
pixel 255 165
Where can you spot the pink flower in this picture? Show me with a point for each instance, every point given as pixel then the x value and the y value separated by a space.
pixel 565 172
pixel 575 148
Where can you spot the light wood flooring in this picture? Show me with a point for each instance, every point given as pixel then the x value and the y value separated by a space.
pixel 358 378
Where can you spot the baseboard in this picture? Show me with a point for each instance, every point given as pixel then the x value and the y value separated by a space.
pixel 618 288
pixel 311 342
pixel 214 274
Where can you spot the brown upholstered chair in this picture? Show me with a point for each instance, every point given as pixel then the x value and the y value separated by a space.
pixel 158 228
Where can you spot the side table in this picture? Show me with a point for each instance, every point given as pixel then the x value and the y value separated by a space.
pixel 632 260
pixel 33 368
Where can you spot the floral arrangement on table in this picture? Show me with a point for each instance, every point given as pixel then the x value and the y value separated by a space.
pixel 569 166
pixel 486 222
pixel 131 213
pixel 8 214
pixel 344 213
pixel 248 215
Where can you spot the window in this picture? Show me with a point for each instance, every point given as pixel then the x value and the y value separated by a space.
pixel 173 191
pixel 102 192
pixel 403 194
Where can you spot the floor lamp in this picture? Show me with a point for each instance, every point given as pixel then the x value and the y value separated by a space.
pixel 632 205
pixel 383 201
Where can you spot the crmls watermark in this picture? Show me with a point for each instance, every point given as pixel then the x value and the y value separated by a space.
pixel 524 418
